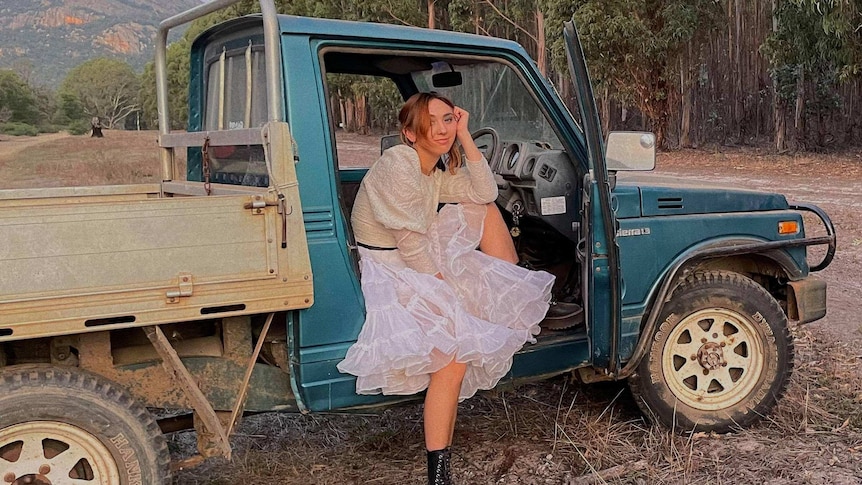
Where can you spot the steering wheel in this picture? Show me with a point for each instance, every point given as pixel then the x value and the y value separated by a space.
pixel 494 152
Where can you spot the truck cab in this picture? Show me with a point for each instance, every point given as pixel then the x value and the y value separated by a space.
pixel 556 189
pixel 686 291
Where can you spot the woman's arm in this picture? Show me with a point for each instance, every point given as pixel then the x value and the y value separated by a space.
pixel 399 200
pixel 414 250
pixel 475 184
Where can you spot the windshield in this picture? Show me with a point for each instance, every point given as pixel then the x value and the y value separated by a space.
pixel 495 96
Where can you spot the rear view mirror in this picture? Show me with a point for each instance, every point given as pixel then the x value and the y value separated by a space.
pixel 446 79
pixel 630 150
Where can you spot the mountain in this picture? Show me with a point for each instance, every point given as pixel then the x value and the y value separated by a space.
pixel 47 38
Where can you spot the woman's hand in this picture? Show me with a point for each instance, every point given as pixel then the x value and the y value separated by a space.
pixel 462 117
pixel 464 136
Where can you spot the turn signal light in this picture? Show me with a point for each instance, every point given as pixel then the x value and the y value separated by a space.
pixel 788 227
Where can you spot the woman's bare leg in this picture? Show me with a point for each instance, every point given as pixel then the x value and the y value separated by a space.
pixel 496 240
pixel 441 405
pixel 441 398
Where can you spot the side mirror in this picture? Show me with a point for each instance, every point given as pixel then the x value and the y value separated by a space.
pixel 630 151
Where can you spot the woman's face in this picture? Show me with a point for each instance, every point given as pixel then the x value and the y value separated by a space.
pixel 441 134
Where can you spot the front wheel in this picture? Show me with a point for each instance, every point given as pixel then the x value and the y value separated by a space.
pixel 64 425
pixel 720 359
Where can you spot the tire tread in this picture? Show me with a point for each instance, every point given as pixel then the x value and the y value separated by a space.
pixel 78 380
pixel 716 278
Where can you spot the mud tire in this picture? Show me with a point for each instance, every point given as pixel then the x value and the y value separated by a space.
pixel 97 420
pixel 715 315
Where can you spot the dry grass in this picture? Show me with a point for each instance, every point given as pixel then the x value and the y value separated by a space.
pixel 560 432
pixel 121 157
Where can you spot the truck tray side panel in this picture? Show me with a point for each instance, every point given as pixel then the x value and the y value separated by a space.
pixel 141 262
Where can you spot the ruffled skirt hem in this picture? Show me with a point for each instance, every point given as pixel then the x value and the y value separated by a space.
pixel 480 314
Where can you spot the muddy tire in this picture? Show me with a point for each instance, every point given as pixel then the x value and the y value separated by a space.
pixel 720 358
pixel 58 424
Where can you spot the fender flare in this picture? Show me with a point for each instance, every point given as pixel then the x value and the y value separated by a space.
pixel 724 248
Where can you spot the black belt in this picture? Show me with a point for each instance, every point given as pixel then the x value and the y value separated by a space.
pixel 375 248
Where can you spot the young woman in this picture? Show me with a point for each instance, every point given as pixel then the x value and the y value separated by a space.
pixel 441 316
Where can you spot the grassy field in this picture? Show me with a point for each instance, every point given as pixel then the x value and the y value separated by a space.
pixel 56 160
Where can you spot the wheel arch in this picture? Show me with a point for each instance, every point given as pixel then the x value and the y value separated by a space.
pixel 771 269
pixel 768 264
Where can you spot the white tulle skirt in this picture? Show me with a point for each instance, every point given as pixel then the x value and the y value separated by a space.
pixel 480 314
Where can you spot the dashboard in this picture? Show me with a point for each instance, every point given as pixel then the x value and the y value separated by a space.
pixel 538 181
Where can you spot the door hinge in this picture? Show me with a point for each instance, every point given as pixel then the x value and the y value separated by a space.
pixel 185 287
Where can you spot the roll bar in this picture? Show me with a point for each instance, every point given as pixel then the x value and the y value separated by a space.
pixel 272 52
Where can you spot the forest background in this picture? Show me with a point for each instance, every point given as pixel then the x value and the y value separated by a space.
pixel 784 74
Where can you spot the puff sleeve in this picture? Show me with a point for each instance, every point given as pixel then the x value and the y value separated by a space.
pixel 474 182
pixel 403 201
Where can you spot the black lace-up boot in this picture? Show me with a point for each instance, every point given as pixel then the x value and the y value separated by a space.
pixel 438 467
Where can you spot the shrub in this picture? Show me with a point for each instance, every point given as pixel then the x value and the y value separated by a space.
pixel 79 127
pixel 49 128
pixel 17 129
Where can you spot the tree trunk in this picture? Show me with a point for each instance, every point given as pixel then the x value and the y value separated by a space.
pixel 798 120
pixel 342 112
pixel 349 118
pixel 739 71
pixel 541 51
pixel 685 93
pixel 777 104
pixel 606 111
pixel 780 126
pixel 656 110
pixel 431 16
pixel 362 115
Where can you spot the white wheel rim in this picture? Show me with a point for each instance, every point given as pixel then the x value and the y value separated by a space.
pixel 713 359
pixel 55 453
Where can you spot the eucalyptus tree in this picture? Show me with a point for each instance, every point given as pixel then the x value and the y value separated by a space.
pixel 17 100
pixel 633 48
pixel 815 46
pixel 106 88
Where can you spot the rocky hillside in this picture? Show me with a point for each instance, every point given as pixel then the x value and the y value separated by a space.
pixel 47 38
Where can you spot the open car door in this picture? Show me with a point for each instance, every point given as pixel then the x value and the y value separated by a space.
pixel 602 287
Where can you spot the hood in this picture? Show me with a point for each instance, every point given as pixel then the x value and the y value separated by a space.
pixel 650 200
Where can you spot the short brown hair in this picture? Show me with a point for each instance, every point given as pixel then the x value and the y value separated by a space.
pixel 414 116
